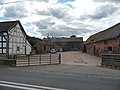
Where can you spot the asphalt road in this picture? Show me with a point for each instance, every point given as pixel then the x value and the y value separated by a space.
pixel 24 79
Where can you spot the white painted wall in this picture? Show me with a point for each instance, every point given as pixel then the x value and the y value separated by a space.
pixel 18 39
pixel 0 50
pixel 0 40
pixel 28 47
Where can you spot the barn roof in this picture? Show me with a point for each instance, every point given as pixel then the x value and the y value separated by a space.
pixel 110 33
pixel 8 25
pixel 66 40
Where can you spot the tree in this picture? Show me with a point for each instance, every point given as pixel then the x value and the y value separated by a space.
pixel 73 36
pixel 33 40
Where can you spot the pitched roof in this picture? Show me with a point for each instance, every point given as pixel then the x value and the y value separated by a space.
pixel 62 40
pixel 8 25
pixel 110 33
pixel 5 26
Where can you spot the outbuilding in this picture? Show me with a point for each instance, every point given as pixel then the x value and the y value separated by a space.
pixel 106 41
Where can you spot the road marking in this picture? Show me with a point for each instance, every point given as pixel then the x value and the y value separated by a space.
pixel 19 87
pixel 26 86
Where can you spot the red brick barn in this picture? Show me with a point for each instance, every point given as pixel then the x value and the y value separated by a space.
pixel 42 48
pixel 107 41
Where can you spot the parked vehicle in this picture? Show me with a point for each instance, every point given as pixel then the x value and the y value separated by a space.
pixel 53 51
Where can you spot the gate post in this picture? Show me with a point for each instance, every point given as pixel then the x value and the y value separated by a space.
pixel 28 60
pixel 40 60
pixel 50 58
pixel 15 57
pixel 59 58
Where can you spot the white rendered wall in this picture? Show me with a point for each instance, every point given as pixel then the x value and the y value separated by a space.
pixel 17 39
pixel 0 45
pixel 28 47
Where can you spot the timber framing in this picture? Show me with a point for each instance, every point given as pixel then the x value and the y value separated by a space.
pixel 13 39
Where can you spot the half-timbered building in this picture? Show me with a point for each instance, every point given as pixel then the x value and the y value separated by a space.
pixel 13 39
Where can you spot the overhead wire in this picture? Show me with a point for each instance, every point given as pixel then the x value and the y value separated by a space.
pixel 13 2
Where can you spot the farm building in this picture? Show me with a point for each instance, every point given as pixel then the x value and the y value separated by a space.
pixel 107 41
pixel 68 44
pixel 42 47
pixel 13 39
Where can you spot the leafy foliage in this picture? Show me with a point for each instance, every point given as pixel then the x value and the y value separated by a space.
pixel 33 40
pixel 73 36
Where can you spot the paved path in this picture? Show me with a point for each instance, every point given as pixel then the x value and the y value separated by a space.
pixel 79 58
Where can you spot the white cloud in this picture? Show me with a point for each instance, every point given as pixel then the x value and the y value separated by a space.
pixel 79 17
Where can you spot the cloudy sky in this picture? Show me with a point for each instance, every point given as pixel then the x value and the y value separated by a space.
pixel 62 18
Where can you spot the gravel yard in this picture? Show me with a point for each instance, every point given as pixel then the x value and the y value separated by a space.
pixel 77 57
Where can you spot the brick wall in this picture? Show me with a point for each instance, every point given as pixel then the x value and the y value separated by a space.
pixel 102 47
pixel 40 48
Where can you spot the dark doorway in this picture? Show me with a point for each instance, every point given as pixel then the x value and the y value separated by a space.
pixel 109 49
pixel 94 50
pixel 84 49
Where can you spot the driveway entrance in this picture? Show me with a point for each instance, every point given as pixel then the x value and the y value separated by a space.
pixel 79 58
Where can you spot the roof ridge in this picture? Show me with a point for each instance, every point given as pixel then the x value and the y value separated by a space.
pixel 8 25
pixel 9 21
pixel 14 24
pixel 108 33
pixel 106 29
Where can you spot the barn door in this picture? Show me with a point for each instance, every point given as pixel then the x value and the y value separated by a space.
pixel 94 50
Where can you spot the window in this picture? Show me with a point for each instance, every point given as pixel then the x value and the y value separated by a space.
pixel 0 34
pixel 18 48
pixel 4 44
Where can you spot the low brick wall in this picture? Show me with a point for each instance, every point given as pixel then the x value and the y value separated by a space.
pixel 112 60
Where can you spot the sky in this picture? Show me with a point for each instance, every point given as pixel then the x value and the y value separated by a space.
pixel 61 18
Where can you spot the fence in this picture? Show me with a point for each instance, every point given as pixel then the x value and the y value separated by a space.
pixel 112 60
pixel 42 59
pixel 30 60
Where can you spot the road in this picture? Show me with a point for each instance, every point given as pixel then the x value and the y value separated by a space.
pixel 78 71
pixel 58 77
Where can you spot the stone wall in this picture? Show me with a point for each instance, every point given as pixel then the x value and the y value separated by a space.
pixel 2 56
